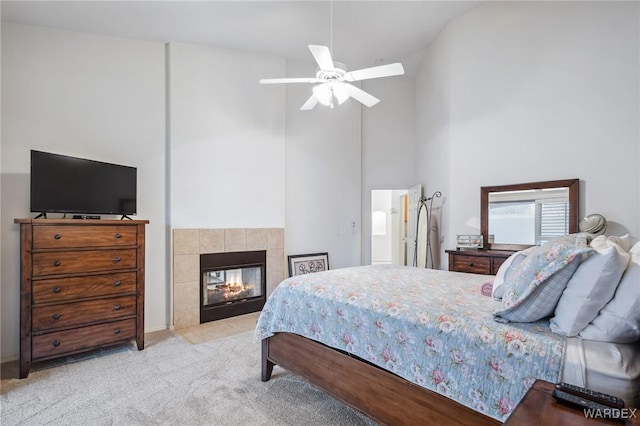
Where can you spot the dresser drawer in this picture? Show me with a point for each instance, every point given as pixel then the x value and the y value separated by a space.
pixel 70 236
pixel 472 264
pixel 63 289
pixel 78 313
pixel 69 262
pixel 63 342
pixel 496 263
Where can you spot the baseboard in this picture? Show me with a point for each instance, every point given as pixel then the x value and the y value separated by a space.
pixel 9 358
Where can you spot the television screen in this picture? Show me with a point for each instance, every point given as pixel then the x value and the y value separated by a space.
pixel 63 184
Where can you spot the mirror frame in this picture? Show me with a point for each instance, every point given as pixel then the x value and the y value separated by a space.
pixel 574 194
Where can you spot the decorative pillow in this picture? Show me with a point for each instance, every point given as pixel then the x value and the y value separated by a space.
pixel 506 270
pixel 540 279
pixel 619 320
pixel 589 289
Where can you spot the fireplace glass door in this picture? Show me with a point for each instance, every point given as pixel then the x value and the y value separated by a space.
pixel 231 285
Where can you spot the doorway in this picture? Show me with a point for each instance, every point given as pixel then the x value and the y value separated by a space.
pixel 390 227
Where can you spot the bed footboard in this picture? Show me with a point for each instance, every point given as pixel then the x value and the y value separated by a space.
pixel 379 394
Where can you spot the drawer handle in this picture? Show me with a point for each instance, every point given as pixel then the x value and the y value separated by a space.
pixel 117 259
pixel 470 264
pixel 117 283
pixel 117 235
pixel 57 236
pixel 116 308
pixel 57 290
pixel 56 343
pixel 56 263
pixel 116 331
pixel 56 316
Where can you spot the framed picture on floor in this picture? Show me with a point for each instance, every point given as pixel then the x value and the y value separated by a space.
pixel 300 264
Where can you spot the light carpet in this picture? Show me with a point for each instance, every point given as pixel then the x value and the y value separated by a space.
pixel 171 382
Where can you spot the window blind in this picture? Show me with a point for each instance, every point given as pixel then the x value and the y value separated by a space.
pixel 552 220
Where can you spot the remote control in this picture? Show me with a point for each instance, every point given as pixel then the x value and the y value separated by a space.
pixel 599 397
pixel 579 402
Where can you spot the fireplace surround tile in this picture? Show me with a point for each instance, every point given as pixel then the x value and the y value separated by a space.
pixel 256 239
pixel 184 298
pixel 235 239
pixel 275 269
pixel 187 318
pixel 275 238
pixel 211 241
pixel 186 268
pixel 185 241
pixel 188 244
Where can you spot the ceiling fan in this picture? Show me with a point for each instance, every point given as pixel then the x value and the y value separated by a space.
pixel 335 82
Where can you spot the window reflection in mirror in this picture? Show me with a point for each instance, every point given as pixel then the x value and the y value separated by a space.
pixel 528 217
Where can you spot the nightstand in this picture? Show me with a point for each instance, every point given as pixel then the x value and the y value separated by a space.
pixel 539 407
pixel 479 261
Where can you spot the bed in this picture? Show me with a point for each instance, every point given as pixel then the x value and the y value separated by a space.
pixel 403 344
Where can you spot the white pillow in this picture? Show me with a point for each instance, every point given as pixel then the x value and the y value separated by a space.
pixel 589 289
pixel 619 320
pixel 601 242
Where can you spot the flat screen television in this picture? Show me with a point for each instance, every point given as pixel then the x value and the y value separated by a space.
pixel 63 184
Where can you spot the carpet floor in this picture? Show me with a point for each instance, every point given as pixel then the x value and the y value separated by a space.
pixel 171 382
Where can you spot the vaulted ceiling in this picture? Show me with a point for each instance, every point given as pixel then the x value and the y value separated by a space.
pixel 362 33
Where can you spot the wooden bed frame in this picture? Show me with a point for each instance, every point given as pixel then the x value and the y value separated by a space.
pixel 377 393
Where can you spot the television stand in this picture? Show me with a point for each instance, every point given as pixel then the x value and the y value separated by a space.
pixel 124 216
pixel 41 215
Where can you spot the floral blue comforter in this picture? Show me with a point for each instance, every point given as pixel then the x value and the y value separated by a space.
pixel 433 328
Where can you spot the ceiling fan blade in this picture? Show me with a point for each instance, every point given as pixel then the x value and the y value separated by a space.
pixel 388 70
pixel 360 95
pixel 289 80
pixel 322 56
pixel 310 104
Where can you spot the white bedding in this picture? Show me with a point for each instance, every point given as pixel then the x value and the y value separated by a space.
pixel 612 368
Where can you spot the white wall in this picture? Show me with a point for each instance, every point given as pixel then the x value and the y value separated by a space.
pixel 323 175
pixel 328 151
pixel 525 91
pixel 433 158
pixel 388 143
pixel 227 146
pixel 87 96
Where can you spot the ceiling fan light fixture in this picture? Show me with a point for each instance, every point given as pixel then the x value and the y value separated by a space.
pixel 326 93
pixel 340 92
pixel 323 94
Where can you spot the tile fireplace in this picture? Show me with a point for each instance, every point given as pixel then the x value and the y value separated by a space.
pixel 187 285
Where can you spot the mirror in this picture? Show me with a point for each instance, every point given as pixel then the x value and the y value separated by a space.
pixel 513 217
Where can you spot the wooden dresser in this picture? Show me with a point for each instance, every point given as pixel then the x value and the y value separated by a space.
pixel 81 286
pixel 485 262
